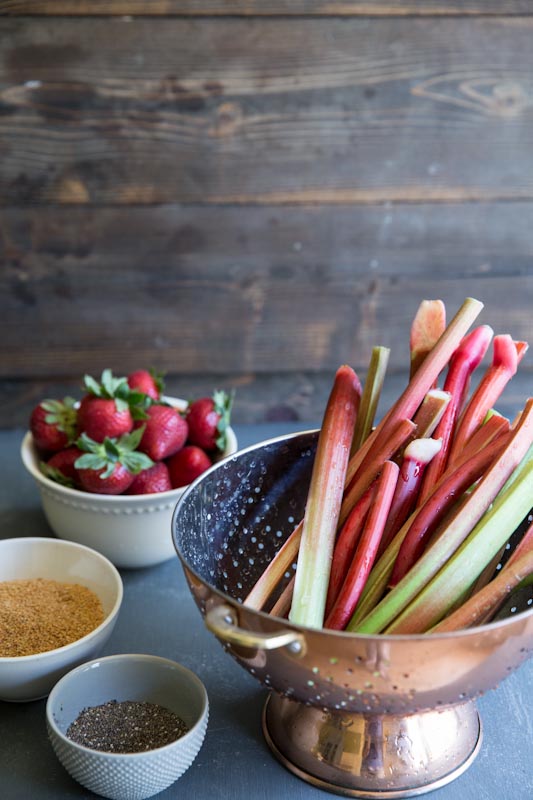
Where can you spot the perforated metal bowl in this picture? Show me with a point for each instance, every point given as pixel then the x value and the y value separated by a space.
pixel 365 716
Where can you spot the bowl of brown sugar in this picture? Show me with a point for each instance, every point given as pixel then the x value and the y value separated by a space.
pixel 59 602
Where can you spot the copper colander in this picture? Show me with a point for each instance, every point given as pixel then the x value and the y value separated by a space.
pixel 359 715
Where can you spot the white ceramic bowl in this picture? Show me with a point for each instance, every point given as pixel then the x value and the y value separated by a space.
pixel 130 530
pixel 31 677
pixel 145 678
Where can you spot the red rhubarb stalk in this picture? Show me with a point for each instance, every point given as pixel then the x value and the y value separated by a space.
pixel 400 433
pixel 324 500
pixel 346 544
pixel 504 365
pixel 366 550
pixel 428 325
pixel 417 455
pixel 464 361
pixel 446 494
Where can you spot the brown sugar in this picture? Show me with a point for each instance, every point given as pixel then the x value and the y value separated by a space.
pixel 37 615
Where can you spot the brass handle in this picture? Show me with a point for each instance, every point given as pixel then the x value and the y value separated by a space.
pixel 222 621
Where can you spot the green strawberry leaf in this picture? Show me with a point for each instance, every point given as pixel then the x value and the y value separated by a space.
pixel 136 462
pixel 121 405
pixel 131 441
pixel 92 386
pixel 223 403
pixel 90 461
pixel 112 449
pixel 108 471
pixel 87 444
pixel 56 475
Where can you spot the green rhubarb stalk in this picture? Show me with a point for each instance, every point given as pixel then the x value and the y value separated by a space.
pixel 283 604
pixel 463 568
pixel 456 530
pixel 370 397
pixel 324 501
pixel 265 586
pixel 483 605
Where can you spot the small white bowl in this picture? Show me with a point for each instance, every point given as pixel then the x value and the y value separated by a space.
pixel 135 677
pixel 131 530
pixel 25 678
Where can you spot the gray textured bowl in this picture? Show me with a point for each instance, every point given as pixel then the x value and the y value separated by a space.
pixel 128 776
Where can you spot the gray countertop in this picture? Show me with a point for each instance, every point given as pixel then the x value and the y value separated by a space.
pixel 159 616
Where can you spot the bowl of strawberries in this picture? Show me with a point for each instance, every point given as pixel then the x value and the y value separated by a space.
pixel 111 466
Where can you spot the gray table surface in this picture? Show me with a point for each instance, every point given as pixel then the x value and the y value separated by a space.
pixel 158 616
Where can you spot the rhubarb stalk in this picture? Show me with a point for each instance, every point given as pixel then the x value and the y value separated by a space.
pixel 421 382
pixel 483 605
pixel 463 568
pixel 324 500
pixel 457 529
pixel 464 361
pixel 427 327
pixel 370 396
pixel 417 455
pixel 366 550
pixel 346 544
pixel 446 494
pixel 497 376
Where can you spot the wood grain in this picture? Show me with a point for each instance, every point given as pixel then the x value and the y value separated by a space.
pixel 260 8
pixel 237 291
pixel 268 111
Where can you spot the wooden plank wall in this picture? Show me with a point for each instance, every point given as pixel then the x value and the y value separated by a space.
pixel 247 194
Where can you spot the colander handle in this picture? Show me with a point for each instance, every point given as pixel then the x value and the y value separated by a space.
pixel 222 621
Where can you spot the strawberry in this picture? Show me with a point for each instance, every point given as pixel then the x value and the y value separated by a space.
pixel 165 432
pixel 53 424
pixel 106 411
pixel 146 381
pixel 187 464
pixel 153 479
pixel 109 467
pixel 208 419
pixel 60 467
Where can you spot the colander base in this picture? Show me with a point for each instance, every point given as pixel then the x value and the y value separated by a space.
pixel 372 755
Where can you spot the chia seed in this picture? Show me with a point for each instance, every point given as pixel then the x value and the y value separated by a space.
pixel 128 726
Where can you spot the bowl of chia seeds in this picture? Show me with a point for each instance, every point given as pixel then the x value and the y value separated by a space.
pixel 127 726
